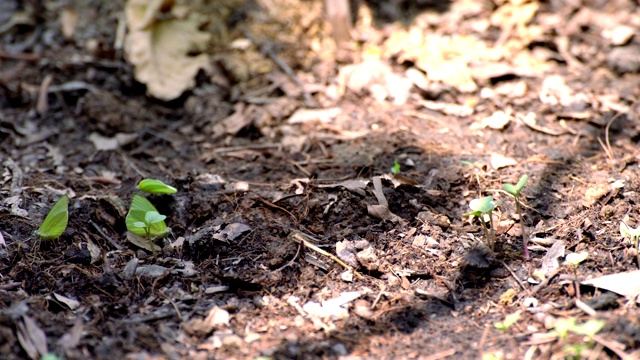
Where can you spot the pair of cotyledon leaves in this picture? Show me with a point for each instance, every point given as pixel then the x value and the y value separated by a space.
pixel 142 212
pixel 144 220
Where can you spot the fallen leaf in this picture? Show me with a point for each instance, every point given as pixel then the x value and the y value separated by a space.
pixel 498 161
pixel 32 337
pixel 356 186
pixel 103 143
pixel 626 284
pixel 498 120
pixel 160 50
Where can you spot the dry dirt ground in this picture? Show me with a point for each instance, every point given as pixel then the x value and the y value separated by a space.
pixel 291 237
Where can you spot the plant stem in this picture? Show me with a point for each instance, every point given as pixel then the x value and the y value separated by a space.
pixel 525 238
pixel 493 231
pixel 485 231
pixel 153 248
pixel 575 283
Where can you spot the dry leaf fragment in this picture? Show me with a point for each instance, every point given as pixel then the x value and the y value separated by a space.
pixel 626 283
pixel 68 22
pixel 498 120
pixel 498 161
pixel 32 337
pixel 160 50
pixel 216 319
pixel 356 186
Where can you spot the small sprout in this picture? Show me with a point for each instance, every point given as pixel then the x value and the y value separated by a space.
pixel 153 186
pixel 633 234
pixel 481 207
pixel 514 190
pixel 574 259
pixel 508 321
pixel 56 221
pixel 588 328
pixel 144 220
pixel 395 169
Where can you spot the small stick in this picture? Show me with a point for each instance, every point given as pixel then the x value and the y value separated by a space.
pixel 297 236
pixel 516 278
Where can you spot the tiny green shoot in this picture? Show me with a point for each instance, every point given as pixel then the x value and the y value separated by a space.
pixel 514 190
pixel 144 219
pixel 480 208
pixel 153 186
pixel 508 321
pixel 56 220
pixel 633 234
pixel 573 260
pixel 395 169
pixel 588 329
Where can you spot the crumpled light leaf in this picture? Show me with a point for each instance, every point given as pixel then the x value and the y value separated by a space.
pixel 160 50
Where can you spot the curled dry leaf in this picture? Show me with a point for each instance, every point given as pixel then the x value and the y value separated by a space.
pixel 160 49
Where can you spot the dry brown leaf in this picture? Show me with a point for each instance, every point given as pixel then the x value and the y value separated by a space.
pixel 32 337
pixel 626 283
pixel 68 22
pixel 499 161
pixel 160 50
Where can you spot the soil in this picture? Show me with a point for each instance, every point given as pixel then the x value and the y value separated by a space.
pixel 291 236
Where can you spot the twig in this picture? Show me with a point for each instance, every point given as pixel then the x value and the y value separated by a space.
pixel 299 237
pixel 267 50
pixel 516 278
pixel 175 307
pixel 613 347
pixel 545 281
pixel 107 237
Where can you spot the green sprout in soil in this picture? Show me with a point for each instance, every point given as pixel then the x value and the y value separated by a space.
pixel 587 329
pixel 482 208
pixel 573 260
pixel 144 220
pixel 633 234
pixel 395 169
pixel 514 190
pixel 508 321
pixel 153 186
pixel 56 221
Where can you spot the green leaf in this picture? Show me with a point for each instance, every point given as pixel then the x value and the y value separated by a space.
pixel 153 217
pixel 508 321
pixel 140 206
pixel 56 221
pixel 589 328
pixel 576 258
pixel 563 326
pixel 515 190
pixel 510 189
pixel 521 182
pixel 153 186
pixel 483 205
pixel 473 213
pixel 396 167
pixel 140 224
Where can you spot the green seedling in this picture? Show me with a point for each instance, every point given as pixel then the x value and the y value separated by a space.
pixel 514 190
pixel 484 207
pixel 56 221
pixel 144 219
pixel 508 321
pixel 395 169
pixel 153 186
pixel 573 260
pixel 588 329
pixel 633 234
